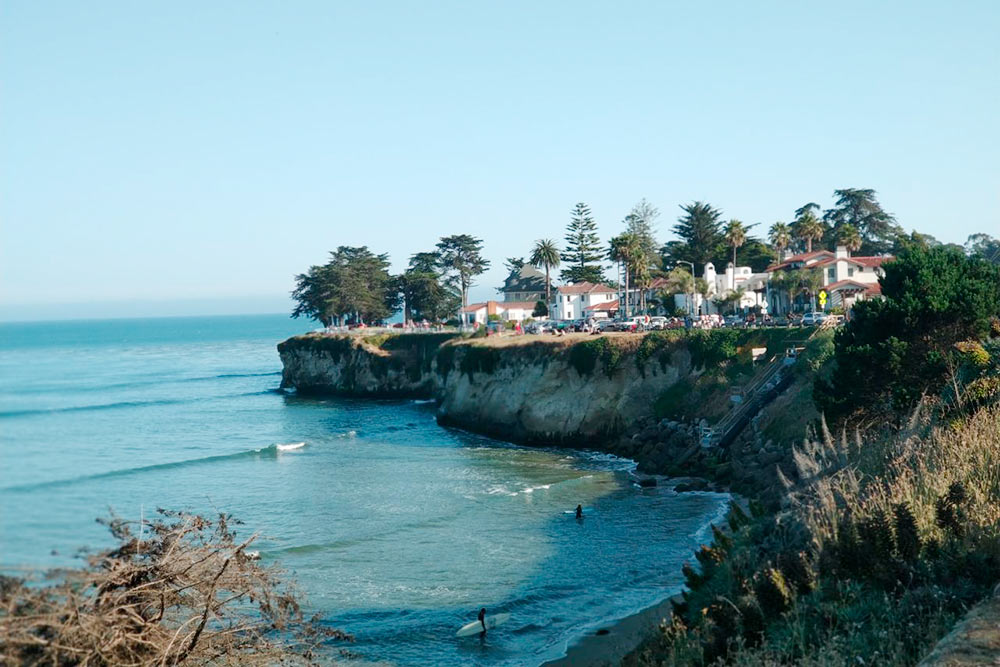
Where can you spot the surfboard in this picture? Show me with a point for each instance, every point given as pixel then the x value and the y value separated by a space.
pixel 475 627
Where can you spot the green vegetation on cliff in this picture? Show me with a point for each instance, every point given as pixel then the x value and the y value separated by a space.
pixel 884 539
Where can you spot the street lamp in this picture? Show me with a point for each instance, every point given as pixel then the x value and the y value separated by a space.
pixel 691 300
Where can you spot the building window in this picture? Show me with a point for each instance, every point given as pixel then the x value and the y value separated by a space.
pixel 831 274
pixel 850 271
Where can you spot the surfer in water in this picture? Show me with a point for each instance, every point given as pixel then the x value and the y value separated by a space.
pixel 482 618
pixel 579 511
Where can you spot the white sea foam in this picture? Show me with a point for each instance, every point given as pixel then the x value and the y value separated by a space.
pixel 290 446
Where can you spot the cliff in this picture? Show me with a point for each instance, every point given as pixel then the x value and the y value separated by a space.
pixel 377 366
pixel 583 393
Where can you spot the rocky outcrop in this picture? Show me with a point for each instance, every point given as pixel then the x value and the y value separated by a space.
pixel 594 393
pixel 377 366
pixel 583 395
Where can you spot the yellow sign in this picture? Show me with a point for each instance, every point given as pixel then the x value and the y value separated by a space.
pixel 822 298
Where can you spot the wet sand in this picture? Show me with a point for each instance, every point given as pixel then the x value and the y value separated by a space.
pixel 599 650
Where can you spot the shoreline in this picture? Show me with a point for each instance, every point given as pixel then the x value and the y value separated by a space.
pixel 609 644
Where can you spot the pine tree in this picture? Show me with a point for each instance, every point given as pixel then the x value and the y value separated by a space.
pixel 700 233
pixel 583 252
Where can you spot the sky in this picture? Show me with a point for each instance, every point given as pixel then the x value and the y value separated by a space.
pixel 191 158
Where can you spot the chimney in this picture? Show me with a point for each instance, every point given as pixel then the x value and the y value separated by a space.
pixel 842 252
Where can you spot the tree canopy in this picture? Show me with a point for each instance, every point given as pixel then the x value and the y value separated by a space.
pixel 582 257
pixel 700 233
pixel 461 260
pixel 859 208
pixel 424 296
pixel 545 255
pixel 896 349
pixel 354 286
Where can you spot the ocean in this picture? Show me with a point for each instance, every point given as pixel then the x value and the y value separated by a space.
pixel 396 529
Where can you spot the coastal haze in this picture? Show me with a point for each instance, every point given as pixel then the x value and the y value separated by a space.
pixel 395 528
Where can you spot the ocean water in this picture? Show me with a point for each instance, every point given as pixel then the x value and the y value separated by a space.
pixel 397 530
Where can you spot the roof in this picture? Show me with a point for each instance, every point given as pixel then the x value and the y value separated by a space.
pixel 848 285
pixel 875 289
pixel 473 307
pixel 795 259
pixel 657 283
pixel 525 279
pixel 607 305
pixel 874 261
pixel 585 288
pixel 829 258
pixel 500 305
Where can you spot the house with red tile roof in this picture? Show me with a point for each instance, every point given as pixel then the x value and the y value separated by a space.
pixel 479 313
pixel 845 278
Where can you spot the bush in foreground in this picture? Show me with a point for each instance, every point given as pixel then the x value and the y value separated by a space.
pixel 183 591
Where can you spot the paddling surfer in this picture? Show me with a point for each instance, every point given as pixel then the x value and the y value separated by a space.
pixel 482 618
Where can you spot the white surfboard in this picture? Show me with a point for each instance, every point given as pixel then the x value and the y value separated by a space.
pixel 476 627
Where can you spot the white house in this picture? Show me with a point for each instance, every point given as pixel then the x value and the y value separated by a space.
pixel 479 313
pixel 846 279
pixel 573 300
pixel 720 284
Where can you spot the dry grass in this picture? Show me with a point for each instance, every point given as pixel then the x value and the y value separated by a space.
pixel 917 468
pixel 187 592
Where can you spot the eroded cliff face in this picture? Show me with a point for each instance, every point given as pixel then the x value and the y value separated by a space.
pixel 375 366
pixel 551 394
pixel 578 393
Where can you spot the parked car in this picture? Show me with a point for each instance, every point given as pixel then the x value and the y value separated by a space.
pixel 732 321
pixel 658 323
pixel 815 318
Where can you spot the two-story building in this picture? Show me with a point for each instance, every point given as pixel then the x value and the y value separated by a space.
pixel 845 279
pixel 524 284
pixel 583 300
pixel 733 279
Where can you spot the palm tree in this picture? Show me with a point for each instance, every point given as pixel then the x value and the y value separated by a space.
pixel 736 235
pixel 849 237
pixel 780 237
pixel 626 248
pixel 808 227
pixel 546 253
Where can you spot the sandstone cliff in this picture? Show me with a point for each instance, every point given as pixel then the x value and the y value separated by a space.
pixel 378 366
pixel 583 394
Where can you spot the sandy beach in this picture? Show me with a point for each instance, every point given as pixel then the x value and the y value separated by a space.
pixel 608 648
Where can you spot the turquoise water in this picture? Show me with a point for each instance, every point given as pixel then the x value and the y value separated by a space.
pixel 398 530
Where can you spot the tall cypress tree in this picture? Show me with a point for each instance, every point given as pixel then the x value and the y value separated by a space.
pixel 700 234
pixel 582 256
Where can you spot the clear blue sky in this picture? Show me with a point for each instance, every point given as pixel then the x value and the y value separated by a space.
pixel 172 156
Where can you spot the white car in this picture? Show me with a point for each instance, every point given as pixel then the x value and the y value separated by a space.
pixel 658 322
pixel 813 319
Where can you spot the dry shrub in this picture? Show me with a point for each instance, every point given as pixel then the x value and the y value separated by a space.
pixel 920 468
pixel 186 592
